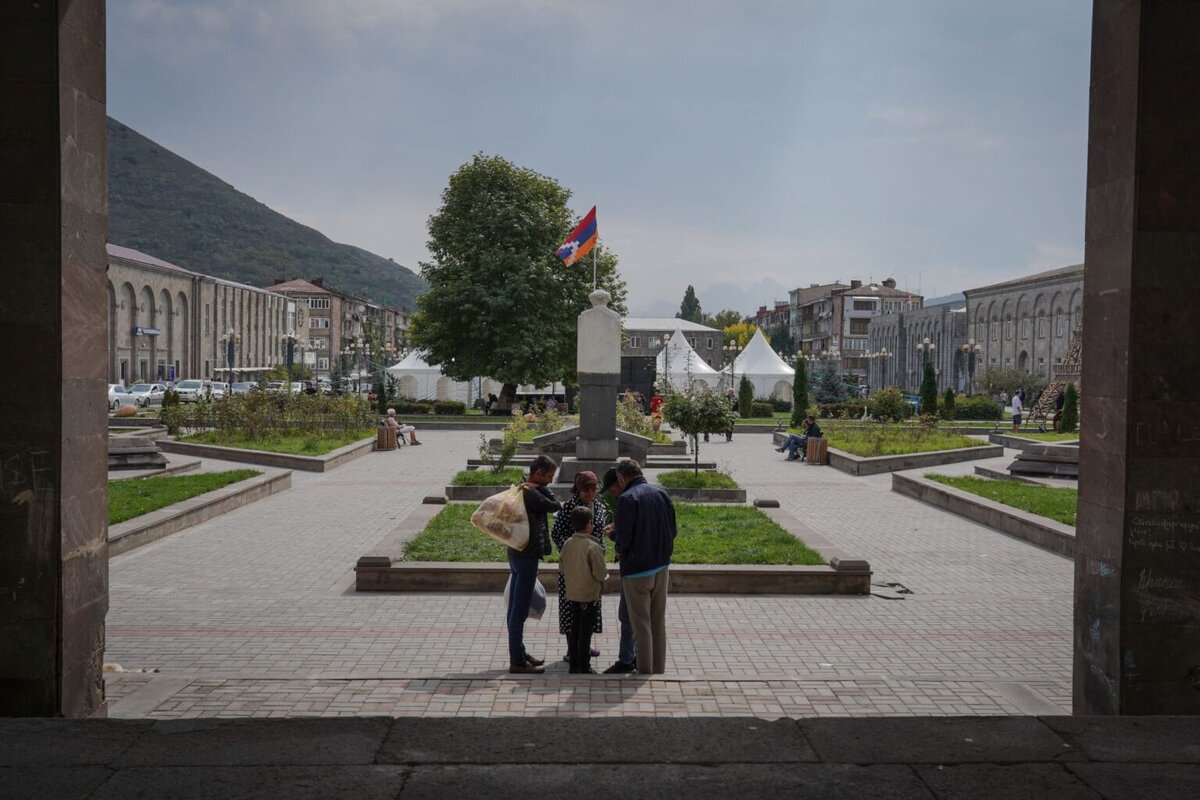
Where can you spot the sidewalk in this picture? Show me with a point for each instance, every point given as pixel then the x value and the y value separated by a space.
pixel 370 758
pixel 253 614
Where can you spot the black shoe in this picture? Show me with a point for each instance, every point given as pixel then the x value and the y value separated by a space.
pixel 534 662
pixel 780 449
pixel 620 668
pixel 525 669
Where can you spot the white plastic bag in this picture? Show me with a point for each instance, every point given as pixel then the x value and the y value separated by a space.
pixel 502 517
pixel 537 602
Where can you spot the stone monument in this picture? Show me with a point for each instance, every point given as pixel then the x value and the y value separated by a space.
pixel 598 369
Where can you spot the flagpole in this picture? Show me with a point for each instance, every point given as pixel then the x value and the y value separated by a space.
pixel 593 269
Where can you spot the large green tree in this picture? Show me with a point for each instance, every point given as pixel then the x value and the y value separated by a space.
pixel 723 319
pixel 827 386
pixel 690 309
pixel 500 302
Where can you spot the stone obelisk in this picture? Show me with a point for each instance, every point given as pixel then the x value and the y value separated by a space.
pixel 598 370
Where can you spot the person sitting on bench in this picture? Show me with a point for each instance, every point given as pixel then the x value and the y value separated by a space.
pixel 401 429
pixel 796 443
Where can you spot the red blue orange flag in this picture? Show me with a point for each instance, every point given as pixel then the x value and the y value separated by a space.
pixel 581 241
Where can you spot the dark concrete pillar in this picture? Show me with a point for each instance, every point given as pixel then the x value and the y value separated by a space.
pixel 53 322
pixel 1137 573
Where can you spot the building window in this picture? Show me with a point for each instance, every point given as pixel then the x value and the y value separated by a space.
pixel 1059 324
pixel 318 302
pixel 1024 327
pixel 709 343
pixel 635 342
pixel 692 343
pixel 859 326
pixel 1041 329
pixel 322 363
pixel 318 322
pixel 206 319
pixel 864 305
pixel 1008 329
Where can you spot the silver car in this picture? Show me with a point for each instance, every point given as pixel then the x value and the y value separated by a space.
pixel 147 394
pixel 118 396
pixel 190 391
pixel 219 390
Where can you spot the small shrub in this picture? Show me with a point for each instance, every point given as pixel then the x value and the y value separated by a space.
pixel 976 407
pixel 761 409
pixel 547 422
pixel 889 404
pixel 170 398
pixel 631 418
pixel 746 398
pixel 948 403
pixel 1070 415
pixel 449 407
pixel 840 410
pixel 780 405
pixel 410 407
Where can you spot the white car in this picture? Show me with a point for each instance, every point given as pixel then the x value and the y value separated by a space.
pixel 298 387
pixel 147 394
pixel 118 396
pixel 219 389
pixel 191 391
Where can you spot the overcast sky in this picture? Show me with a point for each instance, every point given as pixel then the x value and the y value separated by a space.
pixel 743 147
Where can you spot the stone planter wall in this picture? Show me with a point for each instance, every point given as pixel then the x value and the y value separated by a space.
pixel 265 458
pixel 707 495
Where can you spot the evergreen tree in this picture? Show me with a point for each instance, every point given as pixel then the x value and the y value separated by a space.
pixel 929 390
pixel 827 384
pixel 745 397
pixel 799 392
pixel 781 340
pixel 689 309
pixel 1070 415
pixel 948 404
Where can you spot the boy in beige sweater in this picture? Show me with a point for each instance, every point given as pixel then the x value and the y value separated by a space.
pixel 582 567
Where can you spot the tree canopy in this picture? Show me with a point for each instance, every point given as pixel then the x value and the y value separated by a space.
pixel 741 332
pixel 689 309
pixel 723 319
pixel 500 302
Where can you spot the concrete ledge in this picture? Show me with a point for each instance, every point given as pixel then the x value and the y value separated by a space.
pixel 265 458
pixel 466 494
pixel 707 495
pixel 874 465
pixel 444 576
pixel 159 524
pixel 1001 474
pixel 175 466
pixel 1043 532
pixel 1020 442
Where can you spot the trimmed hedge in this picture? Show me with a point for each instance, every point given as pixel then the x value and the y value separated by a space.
pixel 978 406
pixel 413 407
pixel 758 409
pixel 449 407
pixel 835 410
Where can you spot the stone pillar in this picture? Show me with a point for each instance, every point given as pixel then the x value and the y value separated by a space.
pixel 53 463
pixel 598 372
pixel 1137 568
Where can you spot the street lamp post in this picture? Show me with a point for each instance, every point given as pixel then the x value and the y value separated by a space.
pixel 230 341
pixel 289 349
pixel 970 348
pixel 731 352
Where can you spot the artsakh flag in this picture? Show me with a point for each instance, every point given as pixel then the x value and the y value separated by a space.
pixel 581 241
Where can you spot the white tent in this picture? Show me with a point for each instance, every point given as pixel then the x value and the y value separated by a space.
pixel 420 381
pixel 768 373
pixel 677 362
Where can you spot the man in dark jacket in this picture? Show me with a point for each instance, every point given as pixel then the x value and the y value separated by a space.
pixel 644 536
pixel 627 649
pixel 523 564
pixel 796 443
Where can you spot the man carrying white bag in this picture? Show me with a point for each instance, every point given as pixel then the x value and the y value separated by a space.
pixel 517 519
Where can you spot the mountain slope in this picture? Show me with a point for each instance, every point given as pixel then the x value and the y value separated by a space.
pixel 168 207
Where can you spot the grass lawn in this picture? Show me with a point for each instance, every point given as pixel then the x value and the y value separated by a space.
pixel 885 440
pixel 297 445
pixel 1045 501
pixel 707 535
pixel 689 479
pixel 132 497
pixel 1046 437
pixel 486 477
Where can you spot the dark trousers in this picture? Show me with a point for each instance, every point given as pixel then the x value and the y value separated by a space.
pixel 524 573
pixel 579 640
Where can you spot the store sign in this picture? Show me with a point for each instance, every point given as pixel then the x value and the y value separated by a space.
pixel 140 331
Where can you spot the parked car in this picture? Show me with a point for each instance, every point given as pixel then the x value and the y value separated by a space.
pixel 241 388
pixel 219 389
pixel 275 386
pixel 147 394
pixel 192 390
pixel 118 396
pixel 298 387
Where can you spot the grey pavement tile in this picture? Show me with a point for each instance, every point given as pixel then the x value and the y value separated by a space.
pixel 51 783
pixel 252 742
pixel 1141 781
pixel 564 741
pixel 254 783
pixel 1009 782
pixel 37 742
pixel 620 782
pixel 934 741
pixel 1143 739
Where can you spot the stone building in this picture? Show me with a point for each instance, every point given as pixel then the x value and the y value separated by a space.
pixel 833 320
pixel 168 323
pixel 894 359
pixel 768 318
pixel 318 332
pixel 1026 323
pixel 643 338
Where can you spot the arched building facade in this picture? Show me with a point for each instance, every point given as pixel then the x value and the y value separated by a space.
pixel 892 339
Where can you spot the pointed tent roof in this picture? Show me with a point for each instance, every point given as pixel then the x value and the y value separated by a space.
pixel 759 360
pixel 684 360
pixel 413 362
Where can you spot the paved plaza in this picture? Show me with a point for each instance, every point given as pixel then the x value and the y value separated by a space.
pixel 254 614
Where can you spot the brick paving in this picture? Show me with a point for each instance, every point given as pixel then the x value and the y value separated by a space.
pixel 253 614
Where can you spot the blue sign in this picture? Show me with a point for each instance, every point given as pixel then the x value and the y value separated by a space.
pixel 140 331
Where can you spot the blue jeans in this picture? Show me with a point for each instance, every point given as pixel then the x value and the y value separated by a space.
pixel 627 650
pixel 524 572
pixel 795 442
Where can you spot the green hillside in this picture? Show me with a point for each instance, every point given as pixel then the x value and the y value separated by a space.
pixel 168 207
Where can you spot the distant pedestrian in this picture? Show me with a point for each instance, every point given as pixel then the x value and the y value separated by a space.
pixel 584 494
pixel 644 534
pixel 1017 406
pixel 583 570
pixel 523 564
pixel 627 648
